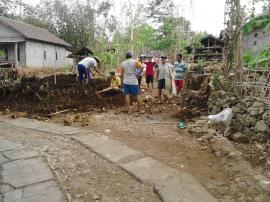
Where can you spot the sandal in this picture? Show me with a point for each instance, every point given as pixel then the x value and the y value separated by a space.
pixel 181 125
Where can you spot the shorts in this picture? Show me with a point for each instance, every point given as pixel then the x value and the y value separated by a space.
pixel 179 84
pixel 149 78
pixel 131 89
pixel 161 84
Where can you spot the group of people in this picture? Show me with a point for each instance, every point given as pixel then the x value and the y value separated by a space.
pixel 132 72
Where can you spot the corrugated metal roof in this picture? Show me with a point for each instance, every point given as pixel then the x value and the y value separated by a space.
pixel 33 32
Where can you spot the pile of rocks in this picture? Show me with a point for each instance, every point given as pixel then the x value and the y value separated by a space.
pixel 251 117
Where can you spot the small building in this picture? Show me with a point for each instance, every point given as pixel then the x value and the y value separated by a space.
pixel 211 49
pixel 78 54
pixel 26 45
pixel 256 41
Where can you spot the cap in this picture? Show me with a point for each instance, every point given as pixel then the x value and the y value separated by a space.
pixel 142 56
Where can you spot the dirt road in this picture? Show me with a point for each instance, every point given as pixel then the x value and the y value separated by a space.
pixel 82 175
pixel 159 137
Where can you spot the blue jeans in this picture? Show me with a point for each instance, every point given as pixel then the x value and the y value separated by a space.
pixel 82 72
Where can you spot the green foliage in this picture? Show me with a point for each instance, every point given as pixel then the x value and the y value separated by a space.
pixel 262 59
pixel 216 80
pixel 2 53
pixel 174 33
pixel 144 38
pixel 107 58
pixel 257 22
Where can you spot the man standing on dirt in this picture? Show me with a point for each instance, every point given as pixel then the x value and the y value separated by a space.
pixel 180 70
pixel 130 82
pixel 150 73
pixel 161 70
pixel 86 67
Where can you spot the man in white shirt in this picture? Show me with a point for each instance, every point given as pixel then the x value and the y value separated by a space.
pixel 161 70
pixel 130 81
pixel 86 67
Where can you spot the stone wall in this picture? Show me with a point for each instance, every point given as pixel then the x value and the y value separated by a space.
pixel 251 117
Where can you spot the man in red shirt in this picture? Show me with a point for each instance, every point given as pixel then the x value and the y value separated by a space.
pixel 150 72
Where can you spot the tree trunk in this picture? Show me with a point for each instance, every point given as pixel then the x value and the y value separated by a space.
pixel 238 51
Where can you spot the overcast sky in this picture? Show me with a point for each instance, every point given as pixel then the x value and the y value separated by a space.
pixel 204 15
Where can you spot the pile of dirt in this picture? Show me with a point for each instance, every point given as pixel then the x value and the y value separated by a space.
pixel 42 96
pixel 194 99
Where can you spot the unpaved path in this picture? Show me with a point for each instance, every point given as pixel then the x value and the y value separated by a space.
pixel 170 145
pixel 82 174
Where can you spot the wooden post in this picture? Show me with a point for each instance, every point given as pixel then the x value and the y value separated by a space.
pixel 54 77
pixel 16 54
pixel 238 50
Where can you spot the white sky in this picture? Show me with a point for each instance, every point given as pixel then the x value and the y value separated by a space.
pixel 204 15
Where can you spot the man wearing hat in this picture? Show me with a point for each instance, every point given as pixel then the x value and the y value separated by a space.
pixel 86 67
pixel 161 71
pixel 129 80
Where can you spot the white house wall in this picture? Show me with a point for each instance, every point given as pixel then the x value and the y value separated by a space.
pixel 256 41
pixel 22 61
pixel 35 55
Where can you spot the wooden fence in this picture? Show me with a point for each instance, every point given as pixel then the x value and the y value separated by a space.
pixel 255 83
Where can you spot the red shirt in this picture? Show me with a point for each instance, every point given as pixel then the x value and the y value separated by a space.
pixel 149 68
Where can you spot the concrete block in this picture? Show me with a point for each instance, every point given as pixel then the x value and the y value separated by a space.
pixel 148 170
pixel 25 172
pixel 182 188
pixel 6 145
pixel 43 192
pixel 112 150
pixel 20 153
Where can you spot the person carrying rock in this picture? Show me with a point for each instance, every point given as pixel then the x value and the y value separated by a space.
pixel 130 82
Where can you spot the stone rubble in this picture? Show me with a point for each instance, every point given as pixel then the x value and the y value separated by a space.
pixel 251 117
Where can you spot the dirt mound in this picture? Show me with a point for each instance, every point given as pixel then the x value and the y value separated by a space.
pixel 194 100
pixel 41 96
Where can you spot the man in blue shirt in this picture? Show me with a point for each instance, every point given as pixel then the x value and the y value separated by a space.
pixel 180 70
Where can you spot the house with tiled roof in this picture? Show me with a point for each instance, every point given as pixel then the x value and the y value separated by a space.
pixel 26 45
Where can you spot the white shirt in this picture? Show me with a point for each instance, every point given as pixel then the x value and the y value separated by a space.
pixel 162 70
pixel 88 62
pixel 130 66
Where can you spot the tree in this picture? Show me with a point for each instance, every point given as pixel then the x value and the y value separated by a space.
pixel 5 8
pixel 235 15
pixel 158 10
pixel 173 34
